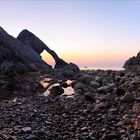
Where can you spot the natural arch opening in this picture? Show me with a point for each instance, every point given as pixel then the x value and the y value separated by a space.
pixel 47 58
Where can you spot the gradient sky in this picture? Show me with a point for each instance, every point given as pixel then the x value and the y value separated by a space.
pixel 86 32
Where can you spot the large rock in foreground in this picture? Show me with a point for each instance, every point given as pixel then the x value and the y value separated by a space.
pixel 133 63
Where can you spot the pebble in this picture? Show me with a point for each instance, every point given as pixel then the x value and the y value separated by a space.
pixel 137 123
pixel 128 97
pixel 26 129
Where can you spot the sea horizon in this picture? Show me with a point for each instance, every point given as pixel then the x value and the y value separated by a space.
pixel 101 68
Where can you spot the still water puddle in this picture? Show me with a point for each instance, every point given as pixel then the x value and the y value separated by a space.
pixel 68 91
pixel 47 83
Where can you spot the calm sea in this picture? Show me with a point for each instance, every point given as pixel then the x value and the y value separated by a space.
pixel 101 68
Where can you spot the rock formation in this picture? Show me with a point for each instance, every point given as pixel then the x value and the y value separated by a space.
pixel 18 57
pixel 22 54
pixel 133 63
pixel 38 46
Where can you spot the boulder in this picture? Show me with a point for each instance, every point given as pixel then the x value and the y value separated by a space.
pixel 68 71
pixel 79 86
pixel 86 79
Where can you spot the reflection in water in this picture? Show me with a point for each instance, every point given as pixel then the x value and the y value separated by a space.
pixel 69 91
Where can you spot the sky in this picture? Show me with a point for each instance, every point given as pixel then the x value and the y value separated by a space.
pixel 93 33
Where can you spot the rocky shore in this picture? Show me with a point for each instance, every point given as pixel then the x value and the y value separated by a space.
pixel 105 105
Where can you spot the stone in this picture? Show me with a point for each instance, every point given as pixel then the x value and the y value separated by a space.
pixel 136 107
pixel 89 97
pixel 120 91
pixel 137 123
pixel 109 97
pixel 106 88
pixel 31 137
pixel 126 119
pixel 109 137
pixel 68 71
pixel 26 129
pixel 79 86
pixel 84 128
pixel 56 90
pixel 85 79
pixel 94 84
pixel 128 97
pixel 64 85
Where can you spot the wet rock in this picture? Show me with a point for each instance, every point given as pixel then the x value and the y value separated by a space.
pixel 128 97
pixel 64 85
pixel 73 84
pixel 56 90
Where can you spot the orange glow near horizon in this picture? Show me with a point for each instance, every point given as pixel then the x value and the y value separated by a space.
pixel 87 59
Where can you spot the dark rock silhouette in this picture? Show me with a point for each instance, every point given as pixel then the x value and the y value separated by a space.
pixel 18 57
pixel 22 54
pixel 133 63
pixel 37 45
